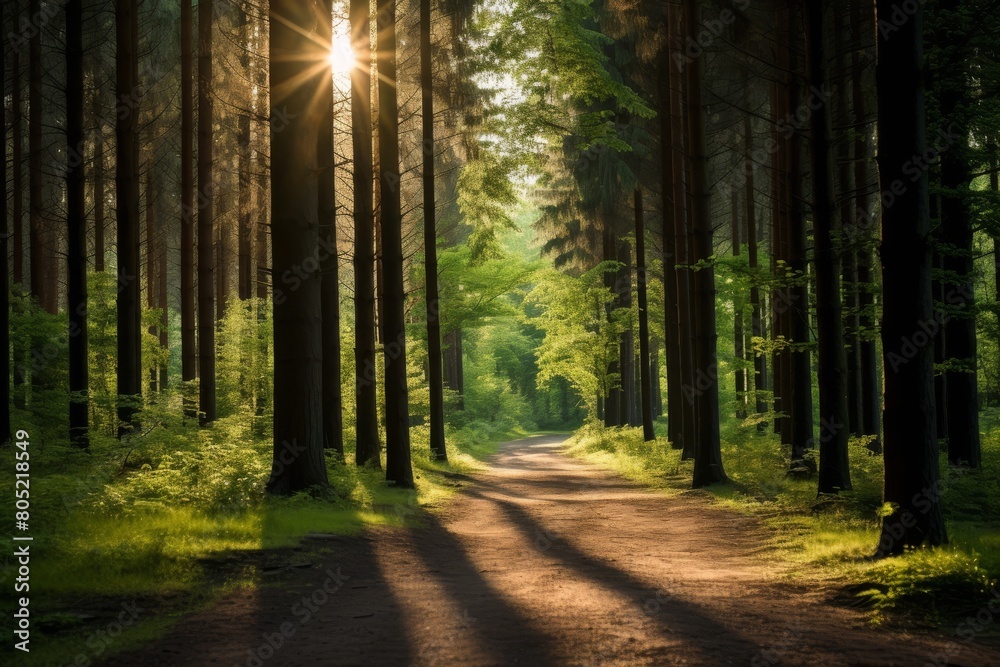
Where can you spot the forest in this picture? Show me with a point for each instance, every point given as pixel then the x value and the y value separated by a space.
pixel 539 332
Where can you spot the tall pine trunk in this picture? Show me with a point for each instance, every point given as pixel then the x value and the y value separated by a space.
pixel 367 447
pixel 333 409
pixel 671 324
pixel 298 461
pixel 17 165
pixel 434 361
pixel 76 231
pixel 645 380
pixel 964 446
pixel 38 232
pixel 5 431
pixel 244 228
pixel 910 446
pixel 189 361
pixel 151 252
pixel 834 469
pixel 682 245
pixel 708 467
pixel 206 234
pixel 127 196
pixel 756 317
pixel 739 337
pixel 398 468
pixel 99 194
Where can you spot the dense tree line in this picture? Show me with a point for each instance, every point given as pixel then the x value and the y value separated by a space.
pixel 297 165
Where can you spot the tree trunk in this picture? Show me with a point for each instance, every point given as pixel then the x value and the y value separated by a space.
pixel 298 462
pixel 739 337
pixel 189 363
pixel 5 430
pixel 17 164
pixel 206 234
pixel 911 454
pixel 99 195
pixel 151 252
pixel 164 314
pixel 613 401
pixel 398 468
pixel 76 231
pixel 834 469
pixel 39 235
pixel 626 349
pixel 781 299
pixel 435 375
pixel 127 214
pixel 756 318
pixel 871 387
pixel 671 325
pixel 708 467
pixel 645 380
pixel 221 270
pixel 654 376
pixel 333 409
pixel 245 231
pixel 368 446
pixel 685 313
pixel 964 446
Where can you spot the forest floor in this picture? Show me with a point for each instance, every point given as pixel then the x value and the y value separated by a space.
pixel 546 560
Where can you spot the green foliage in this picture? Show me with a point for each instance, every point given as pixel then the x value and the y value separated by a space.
pixel 245 358
pixel 581 339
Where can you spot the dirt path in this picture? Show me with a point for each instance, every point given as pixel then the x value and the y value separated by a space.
pixel 544 560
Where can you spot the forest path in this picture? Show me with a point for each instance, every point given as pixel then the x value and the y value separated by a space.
pixel 545 560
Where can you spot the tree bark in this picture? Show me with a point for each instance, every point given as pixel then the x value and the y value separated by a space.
pixel 164 313
pixel 671 324
pixel 645 381
pixel 434 362
pixel 221 270
pixel 42 269
pixel 127 213
pixel 245 230
pixel 756 318
pixel 398 468
pixel 17 165
pixel 834 468
pixel 151 252
pixel 5 430
pixel 99 195
pixel 708 467
pixel 333 409
pixel 189 361
pixel 682 246
pixel 298 462
pixel 911 454
pixel 739 336
pixel 964 446
pixel 76 233
pixel 206 234
pixel 368 446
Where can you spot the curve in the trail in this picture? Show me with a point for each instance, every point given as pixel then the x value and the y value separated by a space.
pixel 546 560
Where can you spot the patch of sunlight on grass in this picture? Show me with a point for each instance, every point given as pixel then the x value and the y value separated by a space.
pixel 147 551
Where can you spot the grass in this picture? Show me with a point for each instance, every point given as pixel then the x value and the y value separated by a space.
pixel 157 519
pixel 830 540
